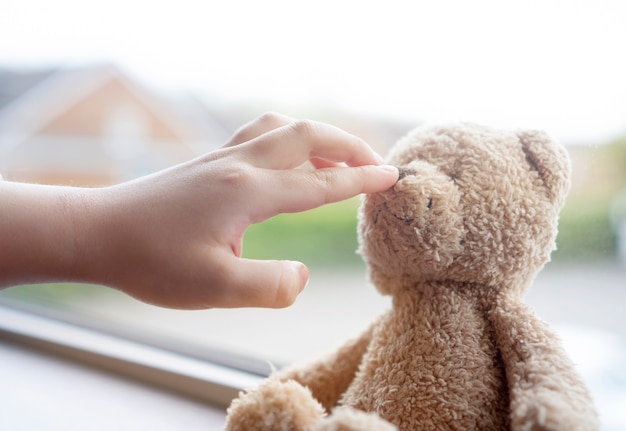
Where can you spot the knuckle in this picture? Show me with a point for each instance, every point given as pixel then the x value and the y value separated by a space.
pixel 325 178
pixel 267 121
pixel 324 185
pixel 242 135
pixel 285 293
pixel 269 118
pixel 238 176
pixel 307 128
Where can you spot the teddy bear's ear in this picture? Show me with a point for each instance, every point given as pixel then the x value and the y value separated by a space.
pixel 550 160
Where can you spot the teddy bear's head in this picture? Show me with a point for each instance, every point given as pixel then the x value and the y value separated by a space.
pixel 473 205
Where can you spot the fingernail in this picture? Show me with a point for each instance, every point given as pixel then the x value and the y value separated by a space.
pixel 304 275
pixel 388 168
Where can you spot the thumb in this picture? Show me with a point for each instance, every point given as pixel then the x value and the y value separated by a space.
pixel 263 283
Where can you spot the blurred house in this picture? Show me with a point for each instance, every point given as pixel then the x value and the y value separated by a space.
pixel 95 126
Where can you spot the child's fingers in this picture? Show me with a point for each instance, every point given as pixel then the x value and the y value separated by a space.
pixel 302 190
pixel 259 126
pixel 289 146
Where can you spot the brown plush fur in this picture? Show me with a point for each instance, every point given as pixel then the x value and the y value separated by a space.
pixel 455 242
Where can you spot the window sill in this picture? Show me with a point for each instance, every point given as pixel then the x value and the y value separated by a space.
pixel 82 355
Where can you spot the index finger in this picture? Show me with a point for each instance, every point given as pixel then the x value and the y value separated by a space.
pixel 289 146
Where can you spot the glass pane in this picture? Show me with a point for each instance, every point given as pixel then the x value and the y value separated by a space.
pixel 141 95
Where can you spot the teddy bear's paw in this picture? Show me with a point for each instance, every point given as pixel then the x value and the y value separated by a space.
pixel 276 406
pixel 552 412
pixel 349 419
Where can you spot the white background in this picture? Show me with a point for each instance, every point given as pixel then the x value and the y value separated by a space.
pixel 558 65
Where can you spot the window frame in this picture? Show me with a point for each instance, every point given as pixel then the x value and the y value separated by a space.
pixel 209 375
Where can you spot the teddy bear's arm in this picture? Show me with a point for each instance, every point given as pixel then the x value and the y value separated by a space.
pixel 329 377
pixel 545 391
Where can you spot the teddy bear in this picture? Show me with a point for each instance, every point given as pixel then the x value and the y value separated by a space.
pixel 455 243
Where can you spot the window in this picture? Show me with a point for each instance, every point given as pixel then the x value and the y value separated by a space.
pixel 181 82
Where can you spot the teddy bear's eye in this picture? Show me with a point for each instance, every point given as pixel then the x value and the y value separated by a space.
pixel 430 203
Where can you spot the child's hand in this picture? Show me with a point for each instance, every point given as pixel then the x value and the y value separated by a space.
pixel 174 238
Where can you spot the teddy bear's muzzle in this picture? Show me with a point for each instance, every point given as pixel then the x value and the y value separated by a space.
pixel 398 206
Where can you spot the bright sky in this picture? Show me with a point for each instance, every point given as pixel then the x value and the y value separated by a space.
pixel 559 65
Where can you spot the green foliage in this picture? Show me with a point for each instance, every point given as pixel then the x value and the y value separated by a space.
pixel 585 232
pixel 52 293
pixel 325 236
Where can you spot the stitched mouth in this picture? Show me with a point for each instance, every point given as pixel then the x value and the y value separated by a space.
pixel 403 219
pixel 385 208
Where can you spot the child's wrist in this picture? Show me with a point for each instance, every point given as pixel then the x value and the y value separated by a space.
pixel 95 233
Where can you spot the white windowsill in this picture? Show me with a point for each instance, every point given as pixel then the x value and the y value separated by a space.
pixel 42 357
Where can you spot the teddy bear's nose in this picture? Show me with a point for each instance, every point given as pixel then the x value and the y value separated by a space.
pixel 405 172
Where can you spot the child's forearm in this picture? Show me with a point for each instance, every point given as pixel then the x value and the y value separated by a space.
pixel 38 241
